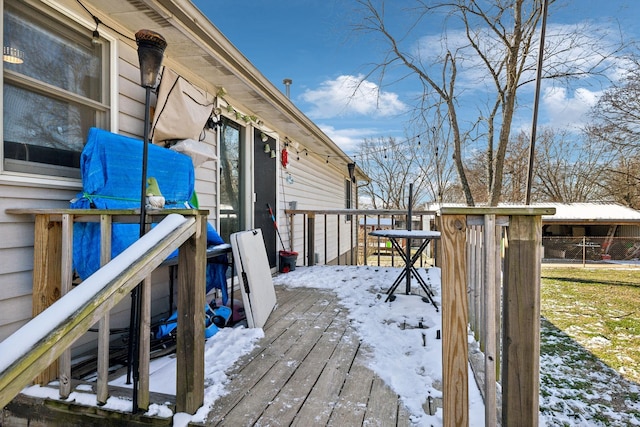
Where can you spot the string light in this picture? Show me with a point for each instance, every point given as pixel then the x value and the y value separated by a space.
pixel 96 34
pixel 392 146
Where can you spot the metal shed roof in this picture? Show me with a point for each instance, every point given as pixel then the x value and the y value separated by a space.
pixel 591 212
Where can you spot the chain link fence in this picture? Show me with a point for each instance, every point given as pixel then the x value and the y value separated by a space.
pixel 591 248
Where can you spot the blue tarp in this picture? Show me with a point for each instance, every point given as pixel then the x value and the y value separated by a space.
pixel 111 168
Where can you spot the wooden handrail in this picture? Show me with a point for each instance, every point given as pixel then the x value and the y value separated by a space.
pixel 38 343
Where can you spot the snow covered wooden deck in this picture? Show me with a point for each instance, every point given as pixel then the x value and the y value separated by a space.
pixel 309 369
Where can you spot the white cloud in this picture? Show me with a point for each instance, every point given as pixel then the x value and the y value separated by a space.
pixel 351 96
pixel 348 139
pixel 566 110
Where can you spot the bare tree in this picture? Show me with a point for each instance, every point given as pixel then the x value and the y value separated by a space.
pixel 437 164
pixel 495 52
pixel 570 171
pixel 616 116
pixel 616 123
pixel 391 167
pixel 622 181
pixel 515 171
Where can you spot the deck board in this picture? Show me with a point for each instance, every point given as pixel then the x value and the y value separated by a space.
pixel 308 370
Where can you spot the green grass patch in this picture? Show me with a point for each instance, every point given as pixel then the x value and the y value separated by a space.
pixel 598 308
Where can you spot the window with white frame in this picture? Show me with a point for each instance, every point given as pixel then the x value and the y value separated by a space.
pixel 55 86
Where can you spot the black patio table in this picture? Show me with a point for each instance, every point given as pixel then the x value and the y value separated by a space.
pixel 394 236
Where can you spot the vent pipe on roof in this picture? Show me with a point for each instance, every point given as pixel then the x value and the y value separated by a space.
pixel 287 84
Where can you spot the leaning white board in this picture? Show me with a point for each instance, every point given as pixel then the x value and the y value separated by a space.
pixel 254 274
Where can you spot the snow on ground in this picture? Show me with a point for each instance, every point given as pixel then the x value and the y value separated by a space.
pixel 407 357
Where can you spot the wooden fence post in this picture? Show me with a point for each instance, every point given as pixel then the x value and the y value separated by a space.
pixel 190 334
pixel 455 371
pixel 521 330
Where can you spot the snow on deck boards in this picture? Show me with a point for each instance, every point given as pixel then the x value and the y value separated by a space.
pixel 308 369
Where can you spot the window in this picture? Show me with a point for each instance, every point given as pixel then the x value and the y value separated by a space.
pixel 231 169
pixel 54 95
pixel 348 204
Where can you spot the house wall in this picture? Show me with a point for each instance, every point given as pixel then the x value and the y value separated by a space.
pixel 316 184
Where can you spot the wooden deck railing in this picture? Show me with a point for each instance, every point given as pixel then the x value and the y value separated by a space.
pixel 102 291
pixel 340 236
pixel 490 260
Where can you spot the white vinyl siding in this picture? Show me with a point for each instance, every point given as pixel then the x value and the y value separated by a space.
pixel 316 185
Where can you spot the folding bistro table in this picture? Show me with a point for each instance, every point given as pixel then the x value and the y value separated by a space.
pixel 394 236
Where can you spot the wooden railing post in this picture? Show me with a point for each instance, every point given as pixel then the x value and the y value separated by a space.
pixel 311 239
pixel 102 389
pixel 521 330
pixel 455 373
pixel 489 335
pixel 324 223
pixel 438 249
pixel 66 277
pixel 190 333
pixel 46 276
pixel 291 231
pixel 337 238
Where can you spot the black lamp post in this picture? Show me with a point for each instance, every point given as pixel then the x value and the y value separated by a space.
pixel 151 46
pixel 352 171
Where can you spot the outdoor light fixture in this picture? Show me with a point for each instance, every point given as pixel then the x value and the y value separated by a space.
pixel 12 55
pixel 352 171
pixel 151 46
pixel 95 38
pixel 214 120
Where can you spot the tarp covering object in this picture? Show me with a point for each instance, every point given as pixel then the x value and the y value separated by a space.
pixel 111 168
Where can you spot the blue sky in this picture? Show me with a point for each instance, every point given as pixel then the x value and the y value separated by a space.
pixel 313 43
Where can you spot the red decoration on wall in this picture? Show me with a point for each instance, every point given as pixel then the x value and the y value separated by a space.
pixel 284 158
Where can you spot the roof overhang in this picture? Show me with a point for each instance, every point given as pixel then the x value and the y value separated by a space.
pixel 196 45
